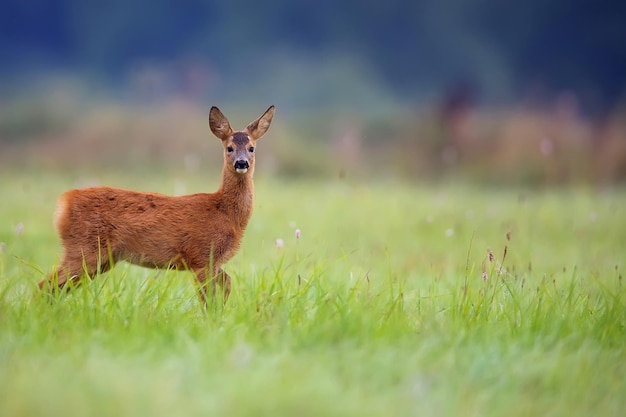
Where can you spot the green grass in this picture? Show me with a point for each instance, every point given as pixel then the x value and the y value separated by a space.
pixel 380 308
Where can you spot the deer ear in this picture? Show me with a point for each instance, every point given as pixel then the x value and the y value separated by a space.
pixel 258 128
pixel 219 124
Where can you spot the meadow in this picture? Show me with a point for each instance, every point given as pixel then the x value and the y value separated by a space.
pixel 397 299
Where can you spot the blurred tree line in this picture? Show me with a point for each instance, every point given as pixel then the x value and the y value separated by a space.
pixel 497 91
pixel 413 48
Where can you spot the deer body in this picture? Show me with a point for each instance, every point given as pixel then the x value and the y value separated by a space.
pixel 99 226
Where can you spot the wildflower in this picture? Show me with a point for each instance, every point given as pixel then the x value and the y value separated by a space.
pixel 491 257
pixel 279 243
pixel 19 228
pixel 297 233
pixel 485 277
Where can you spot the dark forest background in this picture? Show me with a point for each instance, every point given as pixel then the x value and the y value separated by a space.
pixel 445 77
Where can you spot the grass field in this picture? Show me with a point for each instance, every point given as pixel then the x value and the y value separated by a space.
pixel 397 300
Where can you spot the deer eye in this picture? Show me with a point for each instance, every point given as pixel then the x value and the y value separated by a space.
pixel 251 149
pixel 230 149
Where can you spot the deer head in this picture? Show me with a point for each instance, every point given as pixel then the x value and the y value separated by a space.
pixel 239 146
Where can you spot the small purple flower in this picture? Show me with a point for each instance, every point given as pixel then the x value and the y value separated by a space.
pixel 485 277
pixel 279 243
pixel 297 233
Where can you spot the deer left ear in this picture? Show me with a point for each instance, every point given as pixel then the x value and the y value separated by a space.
pixel 218 123
pixel 260 126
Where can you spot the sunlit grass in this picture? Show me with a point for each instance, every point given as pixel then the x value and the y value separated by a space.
pixel 394 300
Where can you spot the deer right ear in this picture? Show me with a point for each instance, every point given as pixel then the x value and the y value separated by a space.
pixel 219 124
pixel 258 128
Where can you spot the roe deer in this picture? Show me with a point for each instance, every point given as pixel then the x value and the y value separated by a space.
pixel 99 226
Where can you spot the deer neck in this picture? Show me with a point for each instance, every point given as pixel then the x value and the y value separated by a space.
pixel 237 193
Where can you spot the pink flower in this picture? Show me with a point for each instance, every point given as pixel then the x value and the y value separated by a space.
pixel 279 243
pixel 485 276
pixel 297 233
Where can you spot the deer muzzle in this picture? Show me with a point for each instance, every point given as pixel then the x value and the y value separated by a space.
pixel 241 166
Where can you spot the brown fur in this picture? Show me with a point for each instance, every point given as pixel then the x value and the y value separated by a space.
pixel 199 232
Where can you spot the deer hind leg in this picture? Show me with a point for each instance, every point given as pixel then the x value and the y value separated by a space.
pixel 220 278
pixel 72 269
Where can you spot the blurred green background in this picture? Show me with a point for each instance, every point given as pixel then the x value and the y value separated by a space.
pixel 502 92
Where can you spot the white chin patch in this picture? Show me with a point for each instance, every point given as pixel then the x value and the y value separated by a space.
pixel 242 170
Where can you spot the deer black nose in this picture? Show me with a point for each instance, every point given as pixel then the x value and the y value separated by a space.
pixel 242 164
